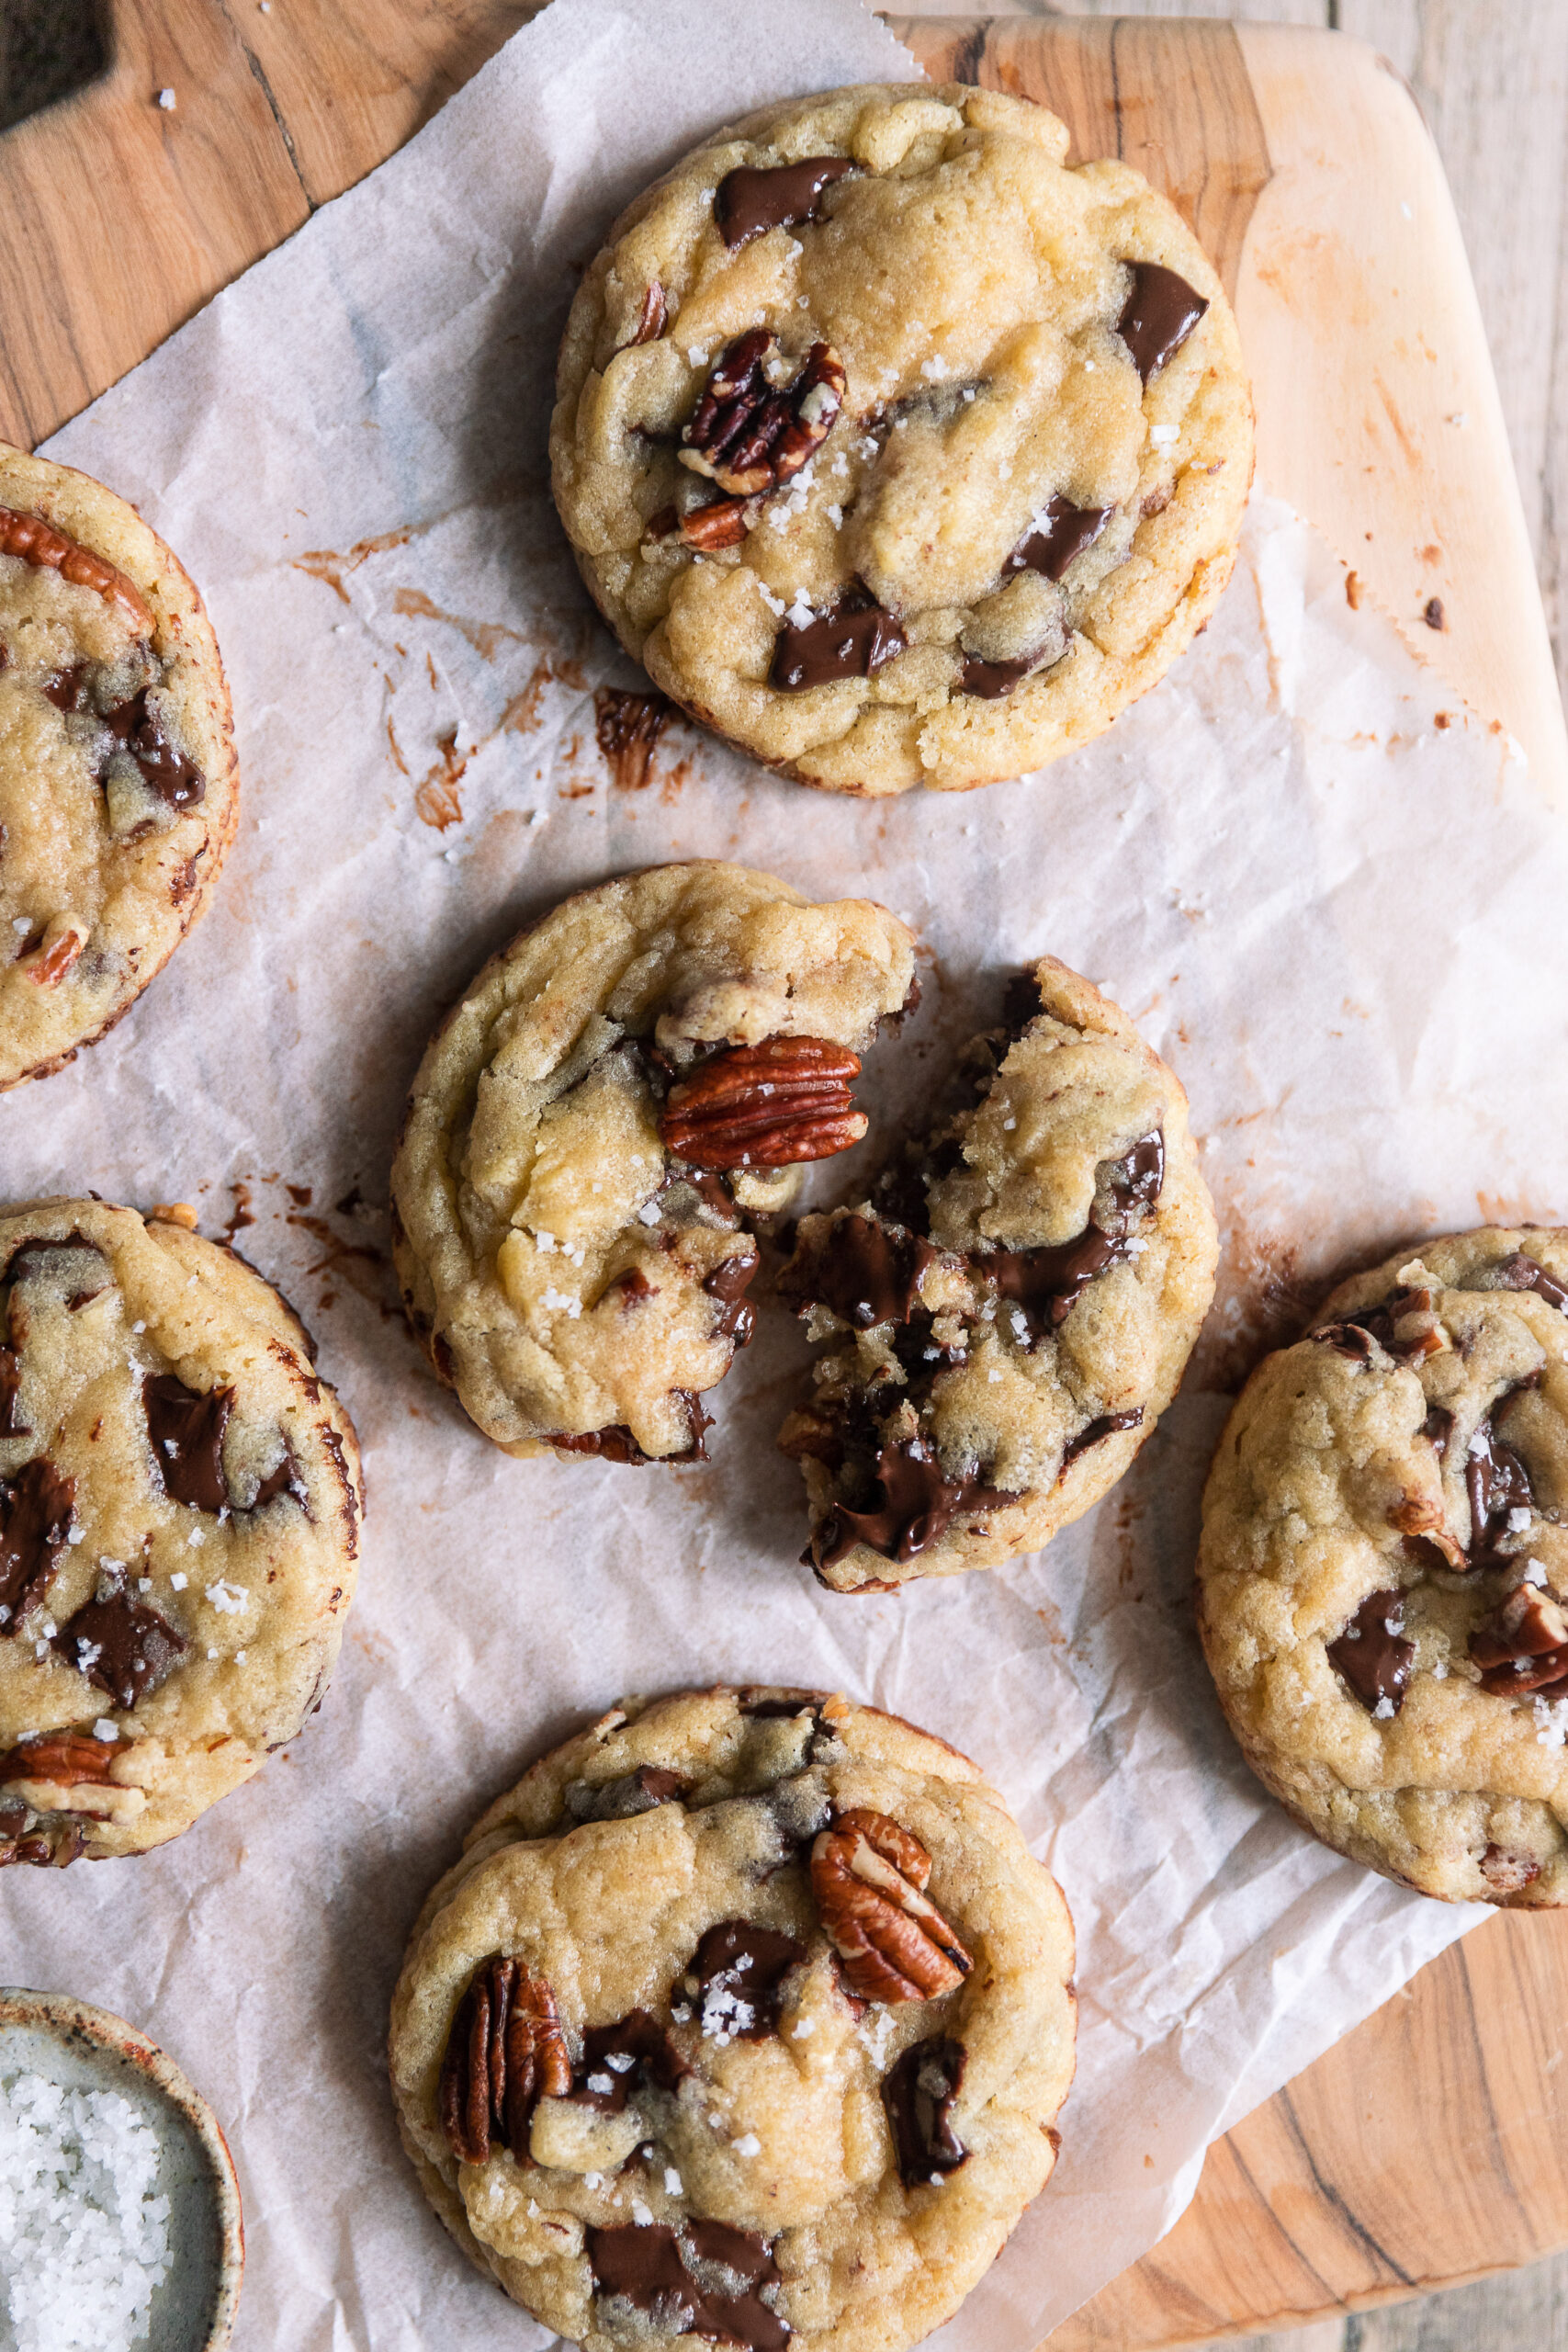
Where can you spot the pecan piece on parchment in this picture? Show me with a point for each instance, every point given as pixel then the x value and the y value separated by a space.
pixel 869 1876
pixel 750 435
pixel 505 2053
pixel 38 543
pixel 771 1105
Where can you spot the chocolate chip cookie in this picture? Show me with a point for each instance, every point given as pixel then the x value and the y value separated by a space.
pixel 1384 1573
pixel 1008 1314
pixel 899 452
pixel 747 2015
pixel 119 791
pixel 619 1096
pixel 179 1505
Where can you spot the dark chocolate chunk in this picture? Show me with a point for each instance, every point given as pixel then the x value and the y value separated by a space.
pixel 1497 1483
pixel 1056 535
pixel 32 1258
pixel 750 199
pixel 1438 1428
pixel 1105 1426
pixel 919 2094
pixel 764 1709
pixel 185 1428
pixel 919 1504
pixel 1137 1179
pixel 649 2054
pixel 283 1480
pixel 862 1271
pixel 1519 1272
pixel 850 641
pixel 1045 1285
pixel 740 1969
pixel 1161 312
pixel 172 776
pixel 628 1794
pixel 1523 1645
pixel 728 1282
pixel 35 1522
pixel 121 1645
pixel 646 2268
pixel 923 1355
pixel 989 681
pixel 1372 1654
pixel 1021 1003
pixel 67 688
pixel 1352 1339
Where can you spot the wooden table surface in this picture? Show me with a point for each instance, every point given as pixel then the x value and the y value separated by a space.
pixel 1493 78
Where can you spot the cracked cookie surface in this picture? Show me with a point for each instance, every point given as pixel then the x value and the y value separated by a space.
pixel 899 452
pixel 1008 1314
pixel 1383 1569
pixel 617 1093
pixel 746 2016
pixel 119 791
pixel 180 1497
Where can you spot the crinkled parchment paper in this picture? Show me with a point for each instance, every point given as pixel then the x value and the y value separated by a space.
pixel 1341 921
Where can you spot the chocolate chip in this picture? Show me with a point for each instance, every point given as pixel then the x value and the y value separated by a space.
pixel 622 1798
pixel 1160 313
pixel 1519 1272
pixel 67 688
pixel 727 1284
pixel 1497 1483
pixel 123 1647
pixel 850 641
pixel 284 1481
pixel 1137 1179
pixel 1061 532
pixel 38 1257
pixel 1045 1285
pixel 1372 1654
pixel 921 1354
pixel 745 1965
pixel 1021 1003
pixel 859 1271
pixel 991 680
pixel 1106 1426
pixel 185 1428
pixel 1348 1339
pixel 753 198
pixel 918 2095
pixel 175 780
pixel 638 2037
pixel 35 1522
pixel 919 1503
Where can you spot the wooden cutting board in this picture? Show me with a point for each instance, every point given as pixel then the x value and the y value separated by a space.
pixel 1431 2147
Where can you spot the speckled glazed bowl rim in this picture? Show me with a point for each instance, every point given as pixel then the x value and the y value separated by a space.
pixel 65 2019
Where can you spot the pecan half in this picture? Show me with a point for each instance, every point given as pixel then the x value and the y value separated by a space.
pixel 770 1105
pixel 1523 1645
pixel 869 1876
pixel 505 2053
pixel 750 434
pixel 722 523
pixel 67 1760
pixel 37 542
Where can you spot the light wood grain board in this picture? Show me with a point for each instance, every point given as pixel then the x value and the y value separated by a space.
pixel 1429 2146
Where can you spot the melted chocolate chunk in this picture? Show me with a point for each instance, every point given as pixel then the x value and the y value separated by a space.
pixel 1374 1660
pixel 32 1258
pixel 10 1386
pixel 750 199
pixel 728 1282
pixel 1021 1003
pixel 1497 1483
pixel 638 2038
pixel 1161 312
pixel 172 776
pixel 852 641
pixel 918 2095
pixel 1438 1428
pixel 1137 1179
pixel 919 1504
pixel 121 1645
pixel 1106 1426
pixel 1519 1272
pixel 185 1430
pixel 762 1710
pixel 67 688
pixel 740 1969
pixel 647 2269
pixel 1523 1645
pixel 35 1522
pixel 1055 538
pixel 921 1355
pixel 285 1480
pixel 865 1275
pixel 991 680
pixel 1045 1285
pixel 625 1796
pixel 1352 1339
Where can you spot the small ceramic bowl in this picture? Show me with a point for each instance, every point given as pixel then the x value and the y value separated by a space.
pixel 82 2048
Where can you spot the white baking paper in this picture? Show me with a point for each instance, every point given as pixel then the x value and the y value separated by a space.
pixel 1340 919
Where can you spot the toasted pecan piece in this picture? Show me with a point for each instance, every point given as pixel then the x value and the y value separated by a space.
pixel 750 434
pixel 771 1105
pixel 869 1876
pixel 505 2053
pixel 37 542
